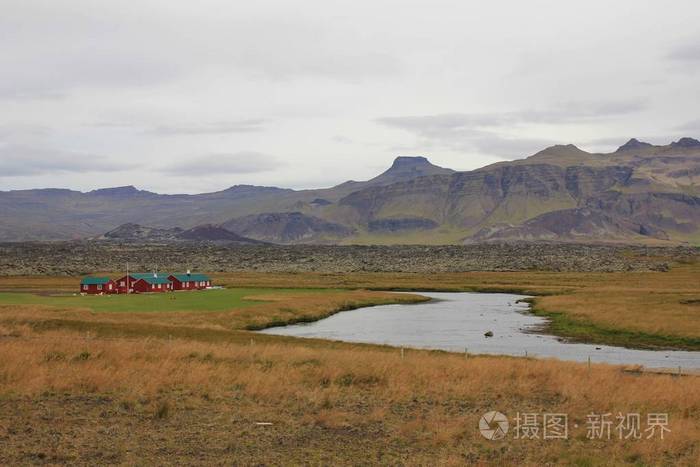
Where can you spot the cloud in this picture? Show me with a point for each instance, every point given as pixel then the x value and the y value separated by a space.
pixel 243 162
pixel 692 126
pixel 508 147
pixel 22 133
pixel 340 139
pixel 488 132
pixel 568 112
pixel 240 126
pixel 686 53
pixel 19 161
pixel 51 50
pixel 13 93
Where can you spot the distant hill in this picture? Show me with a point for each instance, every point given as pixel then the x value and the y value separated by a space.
pixel 641 193
pixel 202 233
pixel 131 232
pixel 288 227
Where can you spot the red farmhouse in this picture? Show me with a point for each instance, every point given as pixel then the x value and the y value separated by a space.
pixel 148 282
pixel 153 284
pixel 190 281
pixel 97 285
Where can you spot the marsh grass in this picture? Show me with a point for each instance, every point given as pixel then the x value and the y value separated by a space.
pixel 427 401
pixel 195 384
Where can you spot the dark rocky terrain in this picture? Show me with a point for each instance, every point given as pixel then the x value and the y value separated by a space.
pixel 288 227
pixel 640 193
pixel 202 233
pixel 73 258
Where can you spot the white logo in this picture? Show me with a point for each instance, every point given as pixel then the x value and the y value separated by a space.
pixel 493 425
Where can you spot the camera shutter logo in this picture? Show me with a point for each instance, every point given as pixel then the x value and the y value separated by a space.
pixel 493 425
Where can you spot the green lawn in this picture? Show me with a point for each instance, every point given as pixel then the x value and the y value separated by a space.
pixel 203 300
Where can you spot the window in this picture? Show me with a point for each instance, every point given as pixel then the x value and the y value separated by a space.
pixel 122 284
pixel 109 286
pixel 85 287
pixel 99 287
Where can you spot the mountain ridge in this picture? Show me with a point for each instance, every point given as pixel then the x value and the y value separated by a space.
pixel 639 193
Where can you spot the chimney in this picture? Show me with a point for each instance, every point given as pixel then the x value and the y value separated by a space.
pixel 188 272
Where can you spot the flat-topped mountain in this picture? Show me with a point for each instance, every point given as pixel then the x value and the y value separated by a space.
pixel 406 168
pixel 639 193
pixel 403 168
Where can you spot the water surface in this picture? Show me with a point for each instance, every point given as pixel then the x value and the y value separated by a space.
pixel 458 321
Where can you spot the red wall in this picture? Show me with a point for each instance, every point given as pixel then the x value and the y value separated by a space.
pixel 122 289
pixel 143 286
pixel 188 285
pixel 92 289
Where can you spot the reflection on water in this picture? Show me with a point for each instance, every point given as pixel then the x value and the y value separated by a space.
pixel 458 321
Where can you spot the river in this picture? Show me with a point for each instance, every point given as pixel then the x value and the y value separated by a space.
pixel 458 321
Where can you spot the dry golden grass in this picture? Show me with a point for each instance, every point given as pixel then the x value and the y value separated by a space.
pixel 192 386
pixel 356 404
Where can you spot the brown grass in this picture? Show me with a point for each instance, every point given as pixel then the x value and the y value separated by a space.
pixel 158 388
pixel 333 402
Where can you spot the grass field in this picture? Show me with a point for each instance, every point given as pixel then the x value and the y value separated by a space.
pixel 199 301
pixel 633 309
pixel 81 383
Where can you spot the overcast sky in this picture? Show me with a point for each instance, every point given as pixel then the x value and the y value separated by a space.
pixel 198 96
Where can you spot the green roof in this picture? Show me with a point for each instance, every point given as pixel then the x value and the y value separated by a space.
pixel 153 280
pixel 191 277
pixel 146 275
pixel 94 281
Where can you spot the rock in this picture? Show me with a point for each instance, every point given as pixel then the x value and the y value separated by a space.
pixel 84 257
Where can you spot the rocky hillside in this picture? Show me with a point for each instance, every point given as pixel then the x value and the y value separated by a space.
pixel 639 193
pixel 83 257
pixel 288 227
pixel 135 233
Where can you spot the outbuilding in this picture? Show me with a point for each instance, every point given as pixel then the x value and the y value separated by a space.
pixel 97 286
pixel 190 281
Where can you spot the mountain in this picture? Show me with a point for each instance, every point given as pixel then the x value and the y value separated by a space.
pixel 202 233
pixel 131 232
pixel 577 224
pixel 639 193
pixel 634 145
pixel 214 233
pixel 288 227
pixel 407 168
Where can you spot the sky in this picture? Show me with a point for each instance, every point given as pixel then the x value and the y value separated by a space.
pixel 192 97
